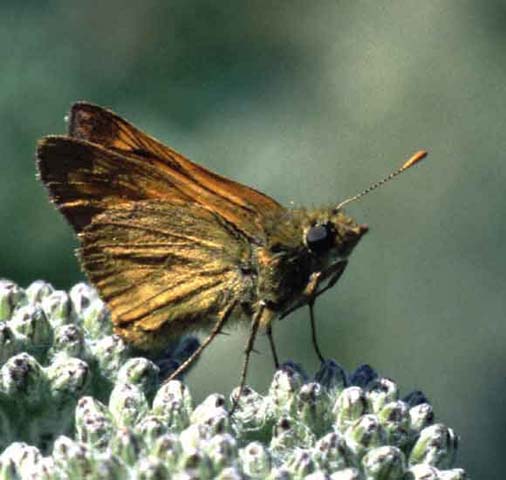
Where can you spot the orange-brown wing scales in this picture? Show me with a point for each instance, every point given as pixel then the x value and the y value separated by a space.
pixel 237 203
pixel 84 179
pixel 159 265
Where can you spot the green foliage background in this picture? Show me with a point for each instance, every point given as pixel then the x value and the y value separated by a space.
pixel 309 102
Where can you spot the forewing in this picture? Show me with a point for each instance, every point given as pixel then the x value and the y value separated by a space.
pixel 161 267
pixel 85 179
pixel 243 206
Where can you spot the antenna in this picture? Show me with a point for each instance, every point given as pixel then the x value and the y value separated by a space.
pixel 417 157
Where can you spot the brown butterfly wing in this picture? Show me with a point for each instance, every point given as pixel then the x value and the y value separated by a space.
pixel 242 206
pixel 162 268
pixel 162 239
pixel 85 179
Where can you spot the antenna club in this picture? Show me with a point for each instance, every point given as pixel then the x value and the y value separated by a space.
pixel 417 157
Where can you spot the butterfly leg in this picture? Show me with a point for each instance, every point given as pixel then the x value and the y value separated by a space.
pixel 313 331
pixel 333 276
pixel 306 296
pixel 273 346
pixel 255 323
pixel 214 332
pixel 317 278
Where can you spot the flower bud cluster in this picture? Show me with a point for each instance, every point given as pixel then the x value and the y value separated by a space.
pixel 76 403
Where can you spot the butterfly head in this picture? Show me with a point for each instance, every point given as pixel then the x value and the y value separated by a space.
pixel 332 235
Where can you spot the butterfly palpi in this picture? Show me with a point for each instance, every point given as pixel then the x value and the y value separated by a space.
pixel 172 247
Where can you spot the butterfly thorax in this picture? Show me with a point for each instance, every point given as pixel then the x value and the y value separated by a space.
pixel 300 244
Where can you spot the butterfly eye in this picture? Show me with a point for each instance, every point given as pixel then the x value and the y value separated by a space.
pixel 319 238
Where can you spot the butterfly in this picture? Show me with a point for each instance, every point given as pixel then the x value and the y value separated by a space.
pixel 172 247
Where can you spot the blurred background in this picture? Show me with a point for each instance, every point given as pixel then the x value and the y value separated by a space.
pixel 308 102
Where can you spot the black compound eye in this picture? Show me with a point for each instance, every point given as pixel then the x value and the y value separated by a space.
pixel 319 238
